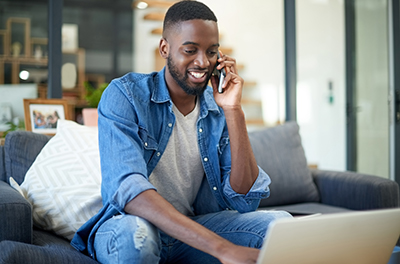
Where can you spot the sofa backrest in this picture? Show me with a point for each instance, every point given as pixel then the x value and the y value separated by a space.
pixel 279 152
pixel 2 165
pixel 20 151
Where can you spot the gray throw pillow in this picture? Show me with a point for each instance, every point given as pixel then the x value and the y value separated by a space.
pixel 279 153
pixel 21 149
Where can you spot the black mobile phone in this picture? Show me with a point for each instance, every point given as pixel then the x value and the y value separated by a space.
pixel 220 74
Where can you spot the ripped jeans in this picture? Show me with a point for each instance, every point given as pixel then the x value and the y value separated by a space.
pixel 131 239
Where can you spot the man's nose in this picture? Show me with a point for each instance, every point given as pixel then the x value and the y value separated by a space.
pixel 202 60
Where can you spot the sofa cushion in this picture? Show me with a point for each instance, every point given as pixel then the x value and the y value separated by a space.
pixel 63 184
pixel 21 149
pixel 308 208
pixel 279 153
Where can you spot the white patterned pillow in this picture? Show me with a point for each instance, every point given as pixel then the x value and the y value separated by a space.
pixel 63 183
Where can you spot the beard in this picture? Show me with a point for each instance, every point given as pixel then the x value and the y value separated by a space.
pixel 182 81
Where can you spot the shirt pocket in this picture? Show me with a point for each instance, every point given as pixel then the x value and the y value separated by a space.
pixel 149 144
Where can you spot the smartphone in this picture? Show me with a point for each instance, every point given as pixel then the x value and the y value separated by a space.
pixel 220 74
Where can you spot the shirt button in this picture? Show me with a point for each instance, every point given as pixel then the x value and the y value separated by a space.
pixel 215 188
pixel 145 143
pixel 200 130
pixel 158 154
pixel 170 124
pixel 205 159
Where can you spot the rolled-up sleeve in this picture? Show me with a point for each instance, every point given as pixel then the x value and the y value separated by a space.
pixel 131 187
pixel 250 201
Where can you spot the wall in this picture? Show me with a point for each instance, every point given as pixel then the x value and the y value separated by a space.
pixel 321 65
pixel 255 31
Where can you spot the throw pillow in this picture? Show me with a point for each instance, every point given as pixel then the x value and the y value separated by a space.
pixel 279 153
pixel 63 183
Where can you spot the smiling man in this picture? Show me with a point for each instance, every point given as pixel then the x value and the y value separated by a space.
pixel 180 183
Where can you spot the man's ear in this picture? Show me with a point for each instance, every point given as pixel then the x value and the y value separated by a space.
pixel 163 48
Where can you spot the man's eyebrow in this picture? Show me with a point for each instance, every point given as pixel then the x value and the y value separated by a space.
pixel 190 43
pixel 197 44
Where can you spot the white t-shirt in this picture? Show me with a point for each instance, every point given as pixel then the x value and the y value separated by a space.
pixel 179 173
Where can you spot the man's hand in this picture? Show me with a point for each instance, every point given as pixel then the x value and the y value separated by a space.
pixel 232 86
pixel 238 254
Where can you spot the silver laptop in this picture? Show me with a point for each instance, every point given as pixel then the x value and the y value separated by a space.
pixel 357 237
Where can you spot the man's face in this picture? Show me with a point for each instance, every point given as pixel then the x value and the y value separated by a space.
pixel 192 55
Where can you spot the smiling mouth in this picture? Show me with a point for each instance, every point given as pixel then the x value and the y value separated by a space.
pixel 197 75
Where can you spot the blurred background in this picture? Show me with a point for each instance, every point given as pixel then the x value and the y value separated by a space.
pixel 330 65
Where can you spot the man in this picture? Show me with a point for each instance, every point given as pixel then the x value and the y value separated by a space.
pixel 180 183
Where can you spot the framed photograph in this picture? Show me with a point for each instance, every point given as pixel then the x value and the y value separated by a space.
pixel 69 34
pixel 41 115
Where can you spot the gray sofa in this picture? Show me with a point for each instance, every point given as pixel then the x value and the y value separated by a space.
pixel 278 151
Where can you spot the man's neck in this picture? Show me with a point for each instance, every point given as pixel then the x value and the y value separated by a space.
pixel 185 104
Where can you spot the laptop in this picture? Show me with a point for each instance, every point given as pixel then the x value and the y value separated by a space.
pixel 346 238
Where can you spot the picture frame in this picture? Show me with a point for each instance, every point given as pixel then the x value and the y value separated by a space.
pixel 18 42
pixel 69 34
pixel 3 42
pixel 41 115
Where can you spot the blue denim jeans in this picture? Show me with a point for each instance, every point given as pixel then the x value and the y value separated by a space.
pixel 131 239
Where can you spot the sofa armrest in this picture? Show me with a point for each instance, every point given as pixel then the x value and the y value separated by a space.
pixel 15 215
pixel 15 252
pixel 356 191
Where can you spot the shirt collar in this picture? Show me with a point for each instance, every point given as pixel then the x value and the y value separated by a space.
pixel 160 92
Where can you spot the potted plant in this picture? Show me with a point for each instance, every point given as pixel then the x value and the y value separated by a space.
pixel 93 96
pixel 18 125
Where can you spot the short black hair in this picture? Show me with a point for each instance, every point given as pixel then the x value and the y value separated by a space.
pixel 187 10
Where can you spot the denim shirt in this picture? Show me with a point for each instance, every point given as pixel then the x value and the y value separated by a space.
pixel 135 123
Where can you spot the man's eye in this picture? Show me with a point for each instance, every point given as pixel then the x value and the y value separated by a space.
pixel 212 53
pixel 190 51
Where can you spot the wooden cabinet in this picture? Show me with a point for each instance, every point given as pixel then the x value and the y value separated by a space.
pixel 25 51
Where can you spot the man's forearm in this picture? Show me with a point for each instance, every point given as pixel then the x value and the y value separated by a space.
pixel 155 209
pixel 244 169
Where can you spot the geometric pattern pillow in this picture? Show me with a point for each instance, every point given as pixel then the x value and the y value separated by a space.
pixel 63 183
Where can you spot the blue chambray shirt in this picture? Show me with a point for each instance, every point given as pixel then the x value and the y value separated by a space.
pixel 135 123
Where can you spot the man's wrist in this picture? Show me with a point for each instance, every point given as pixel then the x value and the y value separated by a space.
pixel 221 248
pixel 232 109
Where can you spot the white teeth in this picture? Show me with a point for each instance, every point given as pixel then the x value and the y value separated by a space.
pixel 197 75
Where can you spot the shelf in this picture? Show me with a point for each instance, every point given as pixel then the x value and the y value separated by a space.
pixel 23 60
pixel 250 84
pixel 162 4
pixel 255 122
pixel 226 50
pixel 157 31
pixel 154 16
pixel 251 102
